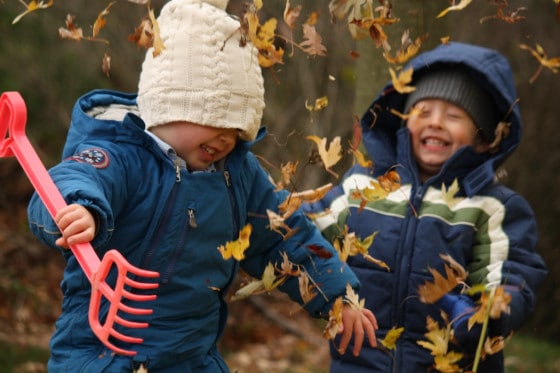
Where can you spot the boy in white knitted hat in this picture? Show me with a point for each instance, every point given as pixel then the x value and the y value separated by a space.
pixel 166 177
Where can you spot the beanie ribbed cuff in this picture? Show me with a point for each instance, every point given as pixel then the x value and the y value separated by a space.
pixel 459 88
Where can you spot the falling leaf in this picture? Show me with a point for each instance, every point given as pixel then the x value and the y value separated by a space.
pixel 446 363
pixel 461 5
pixel 509 17
pixel 157 42
pixel 390 340
pixel 306 290
pixel 269 278
pixel 313 43
pixel 320 104
pixel 448 195
pixel 335 320
pixel 401 81
pixel 407 50
pixel 31 7
pixel 277 224
pixel 539 53
pixel 252 288
pixel 71 31
pixel 437 338
pixel 331 156
pixel 106 64
pixel 291 14
pixel 143 35
pixel 390 181
pixel 236 249
pixel 100 22
pixel 320 251
pixel 353 299
pixel 314 195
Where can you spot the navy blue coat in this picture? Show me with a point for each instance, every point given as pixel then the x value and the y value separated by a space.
pixel 171 221
pixel 489 229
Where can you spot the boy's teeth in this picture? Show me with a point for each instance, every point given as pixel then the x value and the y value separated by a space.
pixel 208 150
pixel 433 142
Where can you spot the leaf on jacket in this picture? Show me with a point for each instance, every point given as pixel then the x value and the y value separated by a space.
pixel 438 344
pixel 431 292
pixel 460 6
pixel 390 340
pixel 236 249
pixel 31 7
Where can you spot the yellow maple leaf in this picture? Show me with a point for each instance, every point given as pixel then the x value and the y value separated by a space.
pixel 431 292
pixel 401 81
pixel 390 340
pixel 446 363
pixel 437 341
pixel 331 156
pixel 461 5
pixel 236 249
pixel 540 54
pixel 269 278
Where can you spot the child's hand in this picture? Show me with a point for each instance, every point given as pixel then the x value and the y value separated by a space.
pixel 360 323
pixel 76 224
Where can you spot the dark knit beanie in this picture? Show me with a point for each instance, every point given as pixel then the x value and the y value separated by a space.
pixel 456 86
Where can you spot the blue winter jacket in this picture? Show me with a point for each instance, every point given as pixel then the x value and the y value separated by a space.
pixel 488 229
pixel 165 219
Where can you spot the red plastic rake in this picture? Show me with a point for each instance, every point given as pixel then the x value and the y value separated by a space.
pixel 13 116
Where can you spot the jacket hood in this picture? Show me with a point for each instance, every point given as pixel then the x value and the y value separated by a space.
pixel 487 67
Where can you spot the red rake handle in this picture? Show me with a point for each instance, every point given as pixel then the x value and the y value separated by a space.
pixel 13 116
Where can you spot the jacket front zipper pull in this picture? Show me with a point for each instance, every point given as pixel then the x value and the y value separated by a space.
pixel 226 176
pixel 192 218
pixel 177 164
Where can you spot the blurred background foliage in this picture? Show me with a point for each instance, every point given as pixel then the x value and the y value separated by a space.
pixel 51 74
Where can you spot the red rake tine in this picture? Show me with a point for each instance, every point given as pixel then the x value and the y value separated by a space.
pixel 13 117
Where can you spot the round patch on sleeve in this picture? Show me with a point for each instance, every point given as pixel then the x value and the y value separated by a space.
pixel 95 157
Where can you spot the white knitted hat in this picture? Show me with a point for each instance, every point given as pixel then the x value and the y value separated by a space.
pixel 203 75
